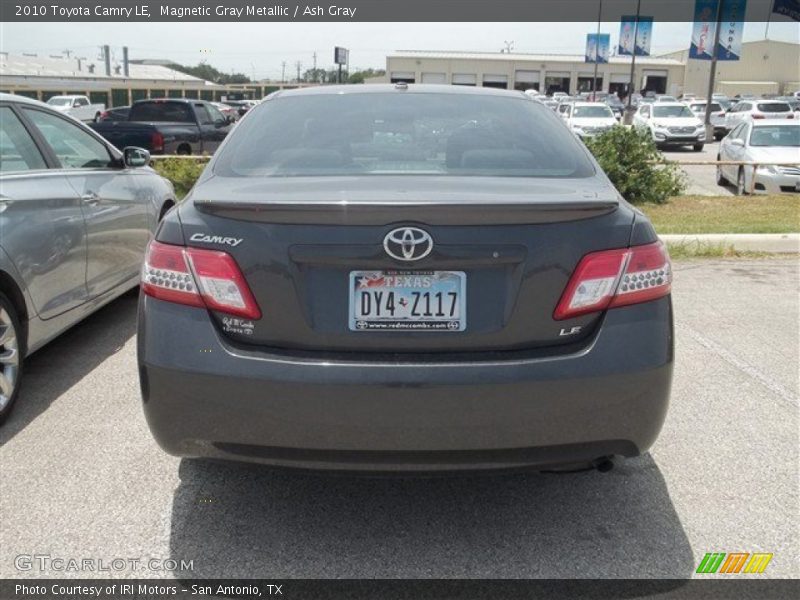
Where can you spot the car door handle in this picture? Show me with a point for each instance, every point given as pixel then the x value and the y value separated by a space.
pixel 90 198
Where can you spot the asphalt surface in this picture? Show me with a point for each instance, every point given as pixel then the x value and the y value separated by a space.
pixel 82 478
pixel 701 180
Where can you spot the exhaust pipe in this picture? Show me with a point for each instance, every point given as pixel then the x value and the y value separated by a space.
pixel 603 464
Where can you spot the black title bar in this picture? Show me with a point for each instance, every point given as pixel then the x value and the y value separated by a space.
pixel 398 11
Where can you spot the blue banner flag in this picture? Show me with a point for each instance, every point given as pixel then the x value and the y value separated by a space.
pixel 787 8
pixel 705 25
pixel 597 47
pixel 644 33
pixel 732 24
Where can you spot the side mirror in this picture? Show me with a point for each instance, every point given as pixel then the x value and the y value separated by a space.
pixel 736 142
pixel 220 123
pixel 135 157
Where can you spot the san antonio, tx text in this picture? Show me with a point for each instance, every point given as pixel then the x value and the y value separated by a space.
pixel 135 590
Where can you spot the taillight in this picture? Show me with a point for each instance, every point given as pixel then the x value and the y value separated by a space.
pixel 613 278
pixel 196 277
pixel 104 115
pixel 791 116
pixel 157 141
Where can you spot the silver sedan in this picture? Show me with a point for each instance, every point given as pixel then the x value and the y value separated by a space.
pixel 765 142
pixel 75 217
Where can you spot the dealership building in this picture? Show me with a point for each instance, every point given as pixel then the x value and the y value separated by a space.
pixel 766 67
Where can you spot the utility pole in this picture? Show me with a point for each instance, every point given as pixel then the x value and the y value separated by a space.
pixel 633 55
pixel 597 53
pixel 315 66
pixel 713 74
pixel 67 52
pixel 283 72
pixel 299 66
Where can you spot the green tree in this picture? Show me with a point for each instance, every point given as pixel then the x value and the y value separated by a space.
pixel 635 166
pixel 209 73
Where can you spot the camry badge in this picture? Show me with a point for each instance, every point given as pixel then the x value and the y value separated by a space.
pixel 408 243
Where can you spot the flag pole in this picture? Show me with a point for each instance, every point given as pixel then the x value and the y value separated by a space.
pixel 713 73
pixel 769 18
pixel 633 55
pixel 596 54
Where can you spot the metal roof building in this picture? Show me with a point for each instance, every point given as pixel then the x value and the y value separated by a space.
pixel 116 84
pixel 763 62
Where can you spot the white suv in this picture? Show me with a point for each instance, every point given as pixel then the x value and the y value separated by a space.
pixel 757 109
pixel 671 124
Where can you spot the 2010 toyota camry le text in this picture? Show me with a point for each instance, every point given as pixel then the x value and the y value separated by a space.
pixel 409 278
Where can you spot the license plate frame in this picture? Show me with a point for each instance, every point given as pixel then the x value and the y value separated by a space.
pixel 447 314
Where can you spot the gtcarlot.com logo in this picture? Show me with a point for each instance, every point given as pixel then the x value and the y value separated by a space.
pixel 734 562
pixel 46 562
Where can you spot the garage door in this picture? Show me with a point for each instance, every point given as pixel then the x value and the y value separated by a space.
pixel 465 79
pixel 434 78
pixel 526 76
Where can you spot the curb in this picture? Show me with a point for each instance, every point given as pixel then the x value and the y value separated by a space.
pixel 773 243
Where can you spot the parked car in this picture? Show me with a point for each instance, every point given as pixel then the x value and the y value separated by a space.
pixel 616 105
pixel 757 109
pixel 119 113
pixel 671 124
pixel 588 119
pixel 78 107
pixel 551 104
pixel 76 215
pixel 227 111
pixel 368 298
pixel 242 106
pixel 698 107
pixel 168 126
pixel 664 98
pixel 793 102
pixel 761 141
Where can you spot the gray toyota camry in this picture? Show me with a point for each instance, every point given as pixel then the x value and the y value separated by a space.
pixel 405 277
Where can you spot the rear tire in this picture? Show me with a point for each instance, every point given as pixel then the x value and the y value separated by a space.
pixel 183 150
pixel 698 147
pixel 720 177
pixel 718 136
pixel 11 351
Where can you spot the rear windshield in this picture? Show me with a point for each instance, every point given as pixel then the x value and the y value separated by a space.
pixel 402 133
pixel 702 107
pixel 773 107
pixel 672 111
pixel 162 112
pixel 776 135
pixel 592 112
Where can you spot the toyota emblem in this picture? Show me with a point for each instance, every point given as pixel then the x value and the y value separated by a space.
pixel 408 243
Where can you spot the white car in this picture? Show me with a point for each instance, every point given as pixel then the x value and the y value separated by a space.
pixel 757 109
pixel 664 98
pixel 698 107
pixel 671 124
pixel 78 107
pixel 762 141
pixel 587 119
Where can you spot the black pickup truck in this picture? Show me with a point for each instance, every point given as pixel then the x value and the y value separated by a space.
pixel 168 126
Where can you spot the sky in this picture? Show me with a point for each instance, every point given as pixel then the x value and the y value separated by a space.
pixel 258 49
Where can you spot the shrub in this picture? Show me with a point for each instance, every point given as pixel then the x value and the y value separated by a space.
pixel 635 167
pixel 182 172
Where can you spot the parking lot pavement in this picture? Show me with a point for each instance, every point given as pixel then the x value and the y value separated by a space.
pixel 701 179
pixel 81 476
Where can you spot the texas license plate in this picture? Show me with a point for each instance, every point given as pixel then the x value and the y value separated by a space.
pixel 408 300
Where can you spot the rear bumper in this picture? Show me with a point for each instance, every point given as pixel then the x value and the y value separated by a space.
pixel 204 398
